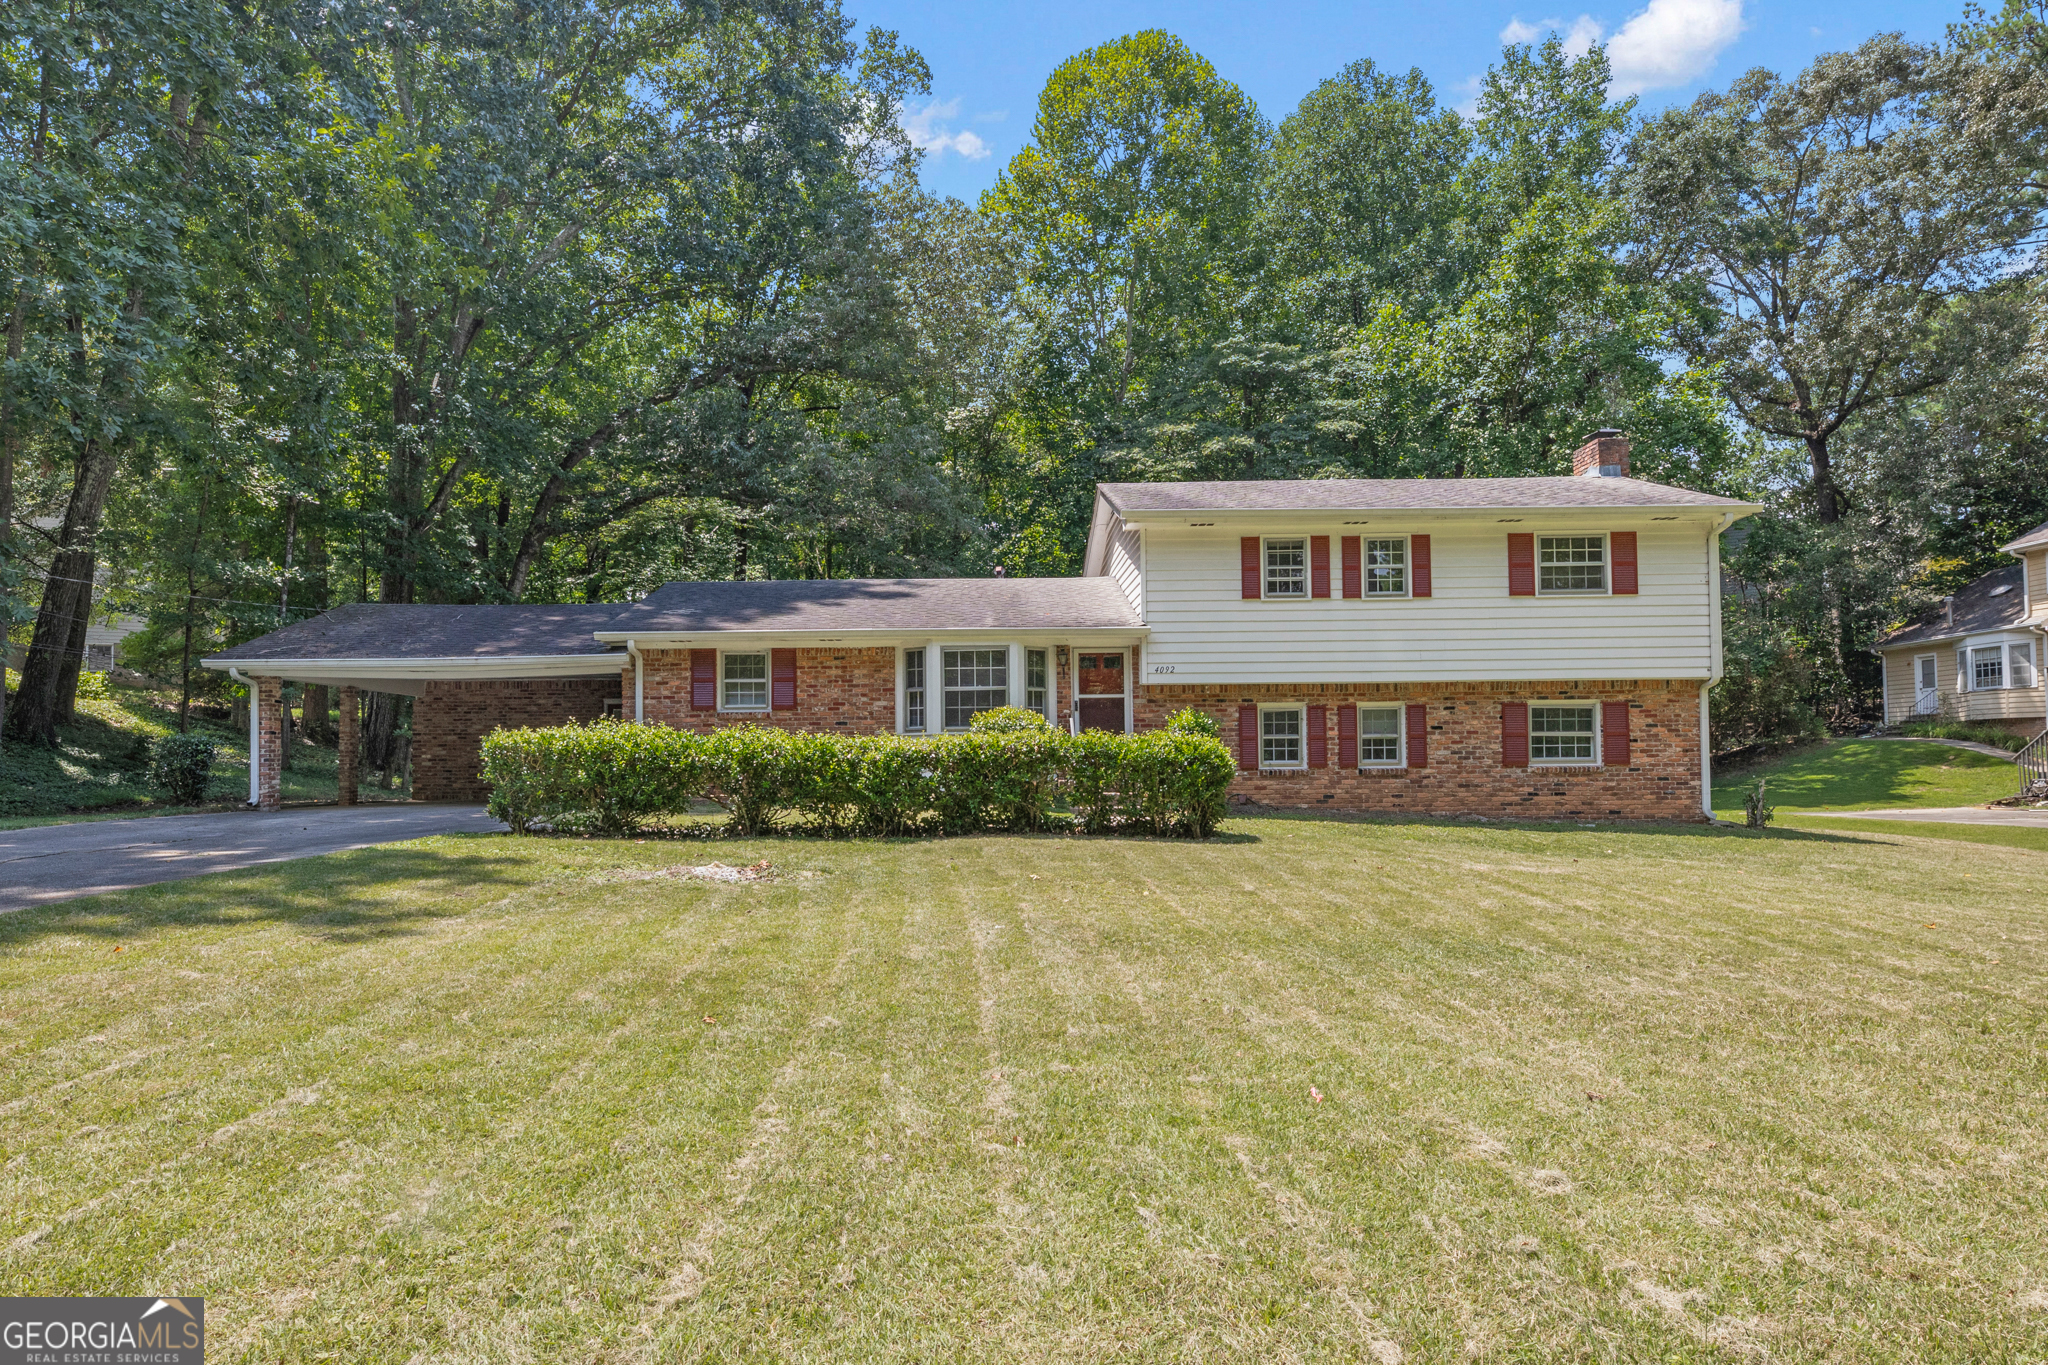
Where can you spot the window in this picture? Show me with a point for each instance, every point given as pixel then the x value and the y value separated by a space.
pixel 1561 734
pixel 615 706
pixel 1386 568
pixel 2023 674
pixel 976 680
pixel 1036 692
pixel 746 682
pixel 1987 668
pixel 1287 568
pixel 1571 563
pixel 913 691
pixel 1379 737
pixel 1280 738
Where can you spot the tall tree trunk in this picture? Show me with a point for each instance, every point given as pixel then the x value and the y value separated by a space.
pixel 67 598
pixel 73 658
pixel 1827 501
pixel 12 425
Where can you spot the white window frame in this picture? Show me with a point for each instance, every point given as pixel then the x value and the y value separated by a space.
pixel 1009 656
pixel 922 654
pixel 1050 691
pixel 1996 657
pixel 1592 710
pixel 2033 665
pixel 1606 587
pixel 1300 712
pixel 1400 737
pixel 767 658
pixel 1365 591
pixel 1966 659
pixel 1266 592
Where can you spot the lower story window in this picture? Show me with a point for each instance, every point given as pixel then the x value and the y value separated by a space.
pixel 2023 671
pixel 913 691
pixel 1280 738
pixel 1561 734
pixel 1987 668
pixel 1036 692
pixel 746 682
pixel 1379 736
pixel 976 680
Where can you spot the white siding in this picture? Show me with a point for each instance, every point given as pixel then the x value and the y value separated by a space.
pixel 1127 564
pixel 1470 630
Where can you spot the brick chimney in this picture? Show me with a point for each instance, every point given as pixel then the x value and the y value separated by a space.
pixel 1603 456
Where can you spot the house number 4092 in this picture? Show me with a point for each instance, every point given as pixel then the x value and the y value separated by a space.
pixel 1162 668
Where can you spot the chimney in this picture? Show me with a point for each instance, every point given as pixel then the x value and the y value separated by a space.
pixel 1603 456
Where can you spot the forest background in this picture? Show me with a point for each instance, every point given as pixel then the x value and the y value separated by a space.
pixel 460 301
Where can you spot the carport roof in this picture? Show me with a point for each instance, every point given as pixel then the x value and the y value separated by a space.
pixel 390 630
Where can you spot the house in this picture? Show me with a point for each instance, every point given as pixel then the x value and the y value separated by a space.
pixel 1980 654
pixel 1532 647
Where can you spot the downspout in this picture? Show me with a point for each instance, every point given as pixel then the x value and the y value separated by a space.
pixel 1714 664
pixel 255 738
pixel 639 693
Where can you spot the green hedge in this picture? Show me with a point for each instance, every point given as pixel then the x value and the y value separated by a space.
pixel 612 777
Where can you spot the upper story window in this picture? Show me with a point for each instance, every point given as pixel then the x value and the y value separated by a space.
pixel 975 680
pixel 1287 568
pixel 1560 734
pixel 1386 567
pixel 1281 733
pixel 745 686
pixel 1571 563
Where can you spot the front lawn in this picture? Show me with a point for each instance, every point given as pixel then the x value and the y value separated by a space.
pixel 1318 1090
pixel 1853 774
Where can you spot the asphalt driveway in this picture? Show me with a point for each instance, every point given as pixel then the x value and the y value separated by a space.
pixel 56 862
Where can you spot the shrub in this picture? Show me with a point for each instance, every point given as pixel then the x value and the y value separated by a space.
pixel 1756 812
pixel 181 767
pixel 93 686
pixel 1189 721
pixel 613 777
pixel 1974 730
pixel 1007 720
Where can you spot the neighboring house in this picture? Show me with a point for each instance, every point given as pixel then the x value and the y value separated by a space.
pixel 1980 654
pixel 1535 647
pixel 103 637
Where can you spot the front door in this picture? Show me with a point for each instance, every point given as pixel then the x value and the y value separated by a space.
pixel 1926 691
pixel 1101 685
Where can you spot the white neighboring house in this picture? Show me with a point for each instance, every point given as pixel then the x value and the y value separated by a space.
pixel 103 635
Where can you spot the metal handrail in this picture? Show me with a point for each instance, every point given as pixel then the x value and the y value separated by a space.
pixel 2033 763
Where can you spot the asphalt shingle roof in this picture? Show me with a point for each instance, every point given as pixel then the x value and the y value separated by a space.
pixel 2032 540
pixel 905 604
pixel 1979 607
pixel 389 630
pixel 1289 495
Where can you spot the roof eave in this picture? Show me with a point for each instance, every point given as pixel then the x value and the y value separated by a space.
pixel 646 639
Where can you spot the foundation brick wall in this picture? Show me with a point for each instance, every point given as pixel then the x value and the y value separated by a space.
pixel 1465 776
pixel 450 720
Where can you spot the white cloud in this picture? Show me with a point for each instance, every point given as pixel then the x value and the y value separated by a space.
pixel 1672 42
pixel 929 130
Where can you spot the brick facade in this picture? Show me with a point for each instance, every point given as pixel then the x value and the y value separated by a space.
pixel 450 720
pixel 270 743
pixel 1465 775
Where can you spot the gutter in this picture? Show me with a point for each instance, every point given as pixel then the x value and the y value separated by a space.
pixel 639 691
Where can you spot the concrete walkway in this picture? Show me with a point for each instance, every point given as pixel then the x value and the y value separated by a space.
pixel 56 862
pixel 1971 744
pixel 1944 815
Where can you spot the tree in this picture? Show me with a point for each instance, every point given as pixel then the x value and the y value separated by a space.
pixel 1850 228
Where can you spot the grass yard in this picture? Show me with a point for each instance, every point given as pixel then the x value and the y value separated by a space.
pixel 1585 1094
pixel 1851 774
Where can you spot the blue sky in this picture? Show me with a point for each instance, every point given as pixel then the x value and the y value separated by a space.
pixel 989 61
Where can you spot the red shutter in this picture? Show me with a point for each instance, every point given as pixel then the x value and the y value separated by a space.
pixel 1514 734
pixel 1318 737
pixel 1621 546
pixel 1347 737
pixel 1614 733
pixel 782 680
pixel 1248 738
pixel 1418 735
pixel 1418 566
pixel 703 680
pixel 1318 566
pixel 1248 566
pixel 1354 568
pixel 1521 565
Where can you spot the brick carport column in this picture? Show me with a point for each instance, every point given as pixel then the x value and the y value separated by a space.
pixel 350 742
pixel 270 741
